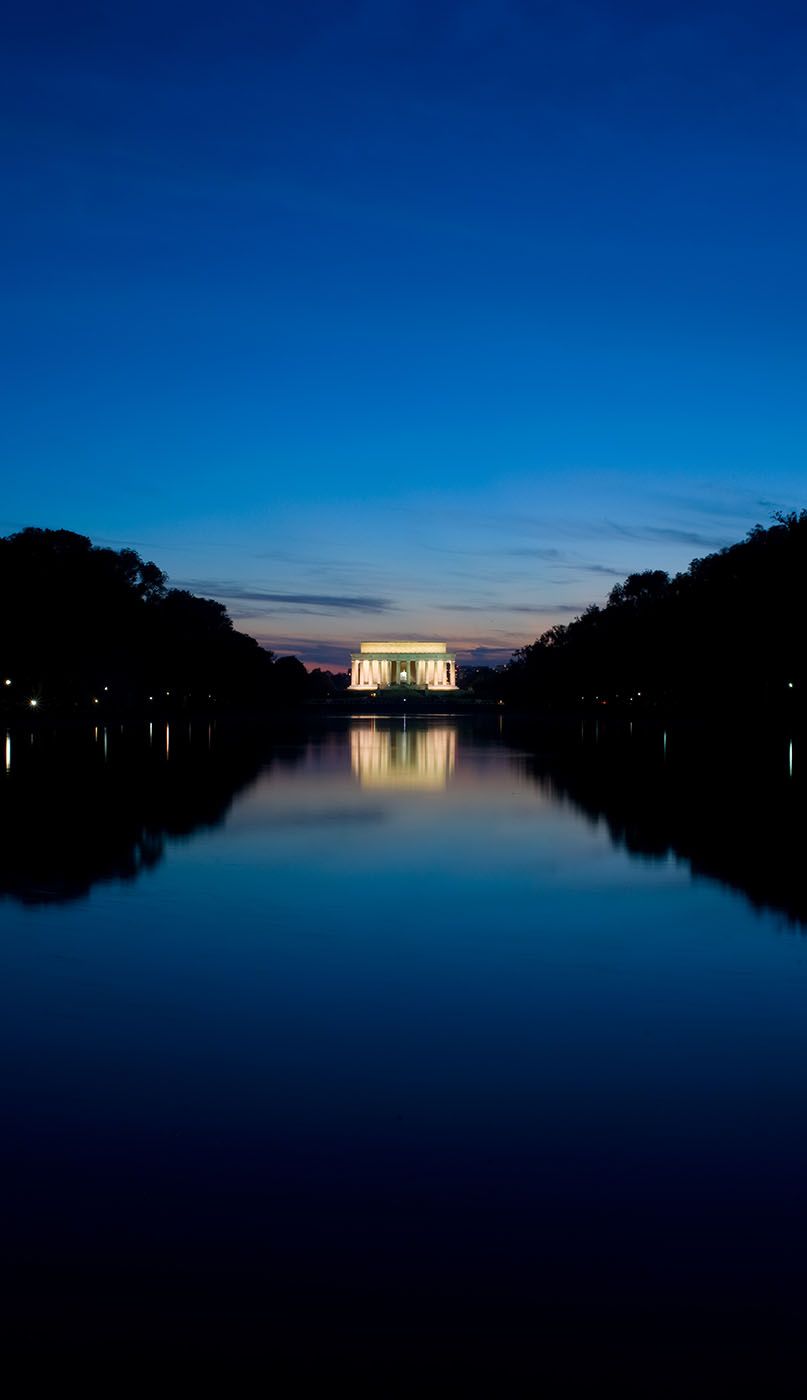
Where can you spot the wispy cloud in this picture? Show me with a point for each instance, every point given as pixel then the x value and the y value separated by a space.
pixel 547 556
pixel 564 559
pixel 534 608
pixel 526 524
pixel 667 534
pixel 736 506
pixel 484 656
pixel 332 655
pixel 236 593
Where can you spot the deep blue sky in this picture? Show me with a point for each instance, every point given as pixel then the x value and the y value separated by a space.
pixel 390 319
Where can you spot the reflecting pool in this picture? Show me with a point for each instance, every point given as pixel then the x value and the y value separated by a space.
pixel 380 1040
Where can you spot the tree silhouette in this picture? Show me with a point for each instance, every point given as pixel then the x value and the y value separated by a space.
pixel 84 625
pixel 728 630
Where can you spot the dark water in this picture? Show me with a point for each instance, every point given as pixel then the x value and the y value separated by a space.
pixel 389 1046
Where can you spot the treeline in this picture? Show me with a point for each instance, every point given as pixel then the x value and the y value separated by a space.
pixel 83 625
pixel 729 631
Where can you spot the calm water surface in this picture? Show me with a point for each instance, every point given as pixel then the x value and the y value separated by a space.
pixel 384 1039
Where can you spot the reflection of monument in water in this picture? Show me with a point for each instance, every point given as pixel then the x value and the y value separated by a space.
pixel 414 757
pixel 424 665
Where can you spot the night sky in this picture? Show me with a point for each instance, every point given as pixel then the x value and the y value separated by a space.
pixel 404 319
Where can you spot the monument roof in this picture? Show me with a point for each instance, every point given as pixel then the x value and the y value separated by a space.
pixel 403 646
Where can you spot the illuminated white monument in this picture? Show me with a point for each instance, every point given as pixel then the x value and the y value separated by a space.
pixel 425 665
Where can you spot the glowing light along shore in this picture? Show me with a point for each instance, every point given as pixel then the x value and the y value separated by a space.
pixel 421 665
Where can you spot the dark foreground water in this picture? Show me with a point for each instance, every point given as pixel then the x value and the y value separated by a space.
pixel 397 1048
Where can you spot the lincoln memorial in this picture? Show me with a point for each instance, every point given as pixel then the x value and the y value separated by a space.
pixel 426 665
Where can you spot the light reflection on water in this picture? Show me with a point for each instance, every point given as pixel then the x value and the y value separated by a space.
pixel 392 756
pixel 381 1030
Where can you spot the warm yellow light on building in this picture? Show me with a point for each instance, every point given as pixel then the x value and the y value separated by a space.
pixel 421 665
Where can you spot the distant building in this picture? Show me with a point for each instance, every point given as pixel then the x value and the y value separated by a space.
pixel 424 665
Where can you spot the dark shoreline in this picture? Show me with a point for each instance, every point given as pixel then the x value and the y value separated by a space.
pixel 755 722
